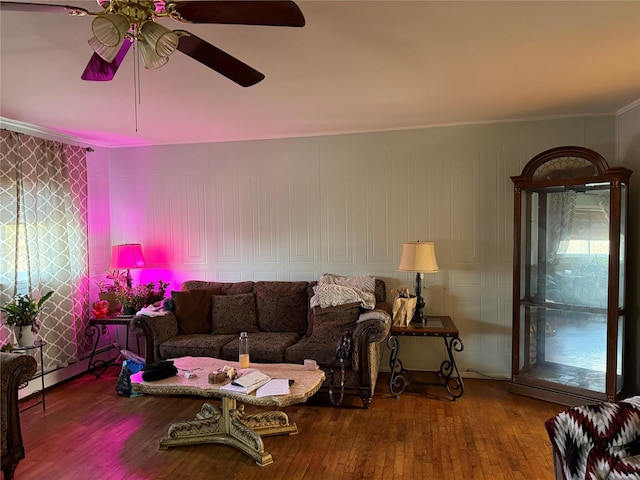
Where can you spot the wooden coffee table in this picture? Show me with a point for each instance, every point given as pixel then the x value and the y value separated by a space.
pixel 230 426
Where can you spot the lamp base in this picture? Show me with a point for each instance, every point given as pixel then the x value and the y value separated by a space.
pixel 418 317
pixel 417 313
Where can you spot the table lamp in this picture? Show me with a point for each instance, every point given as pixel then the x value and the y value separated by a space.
pixel 127 256
pixel 419 257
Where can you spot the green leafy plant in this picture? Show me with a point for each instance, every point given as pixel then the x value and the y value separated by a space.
pixel 142 295
pixel 24 310
pixel 118 282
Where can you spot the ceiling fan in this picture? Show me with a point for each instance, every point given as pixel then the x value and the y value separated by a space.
pixel 123 22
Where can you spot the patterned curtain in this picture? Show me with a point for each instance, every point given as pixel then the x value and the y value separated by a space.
pixel 43 238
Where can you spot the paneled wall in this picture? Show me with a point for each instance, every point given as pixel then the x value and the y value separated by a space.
pixel 292 209
pixel 628 134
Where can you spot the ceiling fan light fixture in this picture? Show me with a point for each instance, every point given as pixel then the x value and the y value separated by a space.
pixel 150 58
pixel 163 40
pixel 110 28
pixel 108 54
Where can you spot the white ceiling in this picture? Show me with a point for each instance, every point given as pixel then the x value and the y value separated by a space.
pixel 356 66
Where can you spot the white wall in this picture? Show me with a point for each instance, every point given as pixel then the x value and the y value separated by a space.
pixel 292 209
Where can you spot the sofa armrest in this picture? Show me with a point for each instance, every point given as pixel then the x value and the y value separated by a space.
pixel 368 332
pixel 15 370
pixel 386 306
pixel 155 330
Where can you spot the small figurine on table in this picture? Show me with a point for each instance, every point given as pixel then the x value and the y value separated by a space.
pixel 100 309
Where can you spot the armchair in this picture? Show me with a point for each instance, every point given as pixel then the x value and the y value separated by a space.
pixel 597 441
pixel 15 370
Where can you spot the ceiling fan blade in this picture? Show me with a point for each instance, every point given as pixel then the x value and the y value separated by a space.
pixel 99 70
pixel 42 7
pixel 217 60
pixel 281 13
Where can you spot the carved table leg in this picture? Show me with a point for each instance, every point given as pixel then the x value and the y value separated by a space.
pixel 230 427
pixel 453 384
pixel 269 423
pixel 397 381
pixel 97 367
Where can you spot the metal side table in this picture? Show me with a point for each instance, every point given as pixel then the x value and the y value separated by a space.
pixel 440 326
pixel 38 344
pixel 98 367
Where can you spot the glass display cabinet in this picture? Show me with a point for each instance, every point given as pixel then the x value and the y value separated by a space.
pixel 570 214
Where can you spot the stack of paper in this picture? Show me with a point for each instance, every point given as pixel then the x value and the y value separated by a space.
pixel 277 386
pixel 247 383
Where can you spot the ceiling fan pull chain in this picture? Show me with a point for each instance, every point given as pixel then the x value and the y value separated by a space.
pixel 136 81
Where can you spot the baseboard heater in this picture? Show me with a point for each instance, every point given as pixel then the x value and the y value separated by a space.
pixel 62 373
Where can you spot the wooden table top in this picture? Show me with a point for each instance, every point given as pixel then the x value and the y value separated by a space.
pixel 112 320
pixel 436 326
pixel 306 382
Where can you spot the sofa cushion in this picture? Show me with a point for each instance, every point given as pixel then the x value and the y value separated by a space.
pixel 264 347
pixel 192 310
pixel 329 324
pixel 198 345
pixel 219 288
pixel 282 306
pixel 324 311
pixel 232 314
pixel 323 353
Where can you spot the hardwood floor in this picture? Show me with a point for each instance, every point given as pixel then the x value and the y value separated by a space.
pixel 89 432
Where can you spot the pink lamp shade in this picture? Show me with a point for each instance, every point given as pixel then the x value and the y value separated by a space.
pixel 127 255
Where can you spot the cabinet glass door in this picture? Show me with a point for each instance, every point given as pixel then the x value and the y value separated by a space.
pixel 563 319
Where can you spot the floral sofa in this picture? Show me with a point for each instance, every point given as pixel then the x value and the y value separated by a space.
pixel 286 322
pixel 598 442
pixel 15 370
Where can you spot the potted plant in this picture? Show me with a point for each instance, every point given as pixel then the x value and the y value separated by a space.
pixel 109 291
pixel 23 313
pixel 135 298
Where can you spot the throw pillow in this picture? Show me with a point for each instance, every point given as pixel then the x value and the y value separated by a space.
pixel 232 314
pixel 192 310
pixel 317 310
pixel 330 323
pixel 282 306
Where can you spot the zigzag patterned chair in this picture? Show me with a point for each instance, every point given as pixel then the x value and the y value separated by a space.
pixel 597 442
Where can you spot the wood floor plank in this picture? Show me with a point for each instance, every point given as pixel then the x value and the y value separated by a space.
pixel 89 432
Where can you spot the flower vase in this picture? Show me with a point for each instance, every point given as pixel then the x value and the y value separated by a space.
pixel 25 337
pixel 129 311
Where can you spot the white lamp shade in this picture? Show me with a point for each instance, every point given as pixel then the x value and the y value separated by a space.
pixel 127 255
pixel 149 56
pixel 163 40
pixel 108 54
pixel 418 257
pixel 110 29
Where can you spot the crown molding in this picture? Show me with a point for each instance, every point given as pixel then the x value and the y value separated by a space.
pixel 41 132
pixel 626 108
